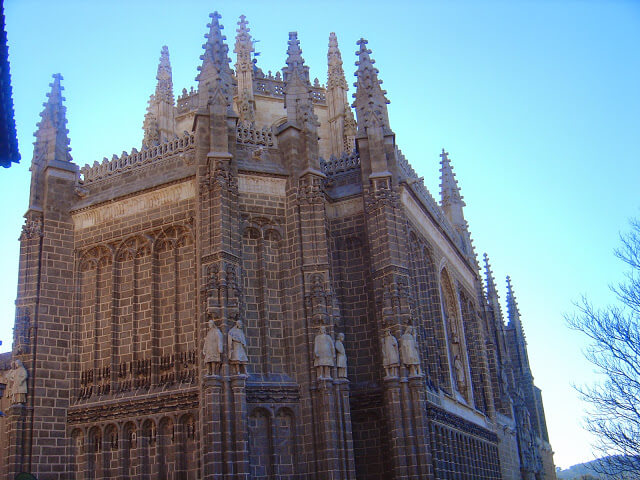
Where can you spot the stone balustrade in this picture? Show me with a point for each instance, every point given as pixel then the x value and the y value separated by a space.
pixel 128 161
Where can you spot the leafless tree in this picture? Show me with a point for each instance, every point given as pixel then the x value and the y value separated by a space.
pixel 614 333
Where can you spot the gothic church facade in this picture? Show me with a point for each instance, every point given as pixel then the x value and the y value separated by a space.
pixel 265 289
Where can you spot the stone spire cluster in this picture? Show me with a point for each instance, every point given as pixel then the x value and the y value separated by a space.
pixel 370 101
pixel 159 122
pixel 342 124
pixel 244 72
pixel 215 80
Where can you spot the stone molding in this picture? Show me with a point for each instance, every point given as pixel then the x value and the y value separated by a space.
pixel 134 205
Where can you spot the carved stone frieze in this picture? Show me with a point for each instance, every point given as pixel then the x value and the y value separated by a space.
pixel 168 402
pixel 273 393
pixel 436 414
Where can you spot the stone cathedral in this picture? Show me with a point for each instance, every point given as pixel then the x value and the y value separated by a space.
pixel 265 289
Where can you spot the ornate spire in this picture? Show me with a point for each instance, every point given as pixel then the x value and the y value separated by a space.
pixel 164 87
pixel 449 190
pixel 159 123
pixel 51 137
pixel 512 307
pixel 370 101
pixel 335 73
pixel 492 292
pixel 295 70
pixel 297 88
pixel 490 280
pixel 341 122
pixel 452 204
pixel 215 73
pixel 51 147
pixel 244 45
pixel 244 71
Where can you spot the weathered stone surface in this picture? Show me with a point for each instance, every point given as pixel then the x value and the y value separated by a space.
pixel 225 303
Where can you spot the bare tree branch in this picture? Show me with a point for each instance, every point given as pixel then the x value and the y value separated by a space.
pixel 614 332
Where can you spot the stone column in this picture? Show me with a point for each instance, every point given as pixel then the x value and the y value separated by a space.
pixel 419 421
pixel 15 443
pixel 240 428
pixel 393 405
pixel 345 436
pixel 212 427
pixel 327 432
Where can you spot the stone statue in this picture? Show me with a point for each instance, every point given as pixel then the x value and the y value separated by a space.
pixel 390 354
pixel 409 352
pixel 18 383
pixel 323 352
pixel 460 380
pixel 237 344
pixel 212 351
pixel 341 357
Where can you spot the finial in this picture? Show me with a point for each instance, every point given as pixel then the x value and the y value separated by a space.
pixel 449 189
pixel 335 77
pixel 164 87
pixel 492 291
pixel 215 72
pixel 512 305
pixel 370 100
pixel 243 39
pixel 295 69
pixel 52 126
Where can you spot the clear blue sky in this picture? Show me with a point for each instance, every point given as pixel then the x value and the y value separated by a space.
pixel 537 103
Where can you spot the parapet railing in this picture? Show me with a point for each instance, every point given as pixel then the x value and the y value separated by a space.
pixel 249 134
pixel 273 87
pixel 344 163
pixel 117 165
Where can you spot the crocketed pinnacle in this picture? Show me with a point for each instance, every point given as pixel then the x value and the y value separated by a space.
pixel 490 281
pixel 295 71
pixel 52 141
pixel 512 307
pixel 244 45
pixel 370 100
pixel 335 72
pixel 449 190
pixel 215 72
pixel 164 87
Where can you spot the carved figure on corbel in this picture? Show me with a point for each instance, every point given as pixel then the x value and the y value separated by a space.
pixel 390 354
pixel 409 352
pixel 324 352
pixel 237 344
pixel 213 349
pixel 17 383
